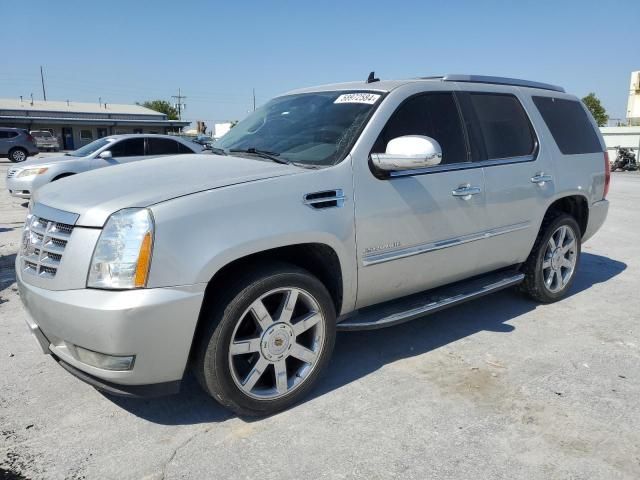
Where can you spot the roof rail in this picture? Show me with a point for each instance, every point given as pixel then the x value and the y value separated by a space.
pixel 501 81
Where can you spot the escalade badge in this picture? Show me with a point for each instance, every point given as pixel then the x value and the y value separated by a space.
pixel 378 248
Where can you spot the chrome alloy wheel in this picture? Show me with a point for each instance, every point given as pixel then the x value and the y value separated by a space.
pixel 277 343
pixel 560 259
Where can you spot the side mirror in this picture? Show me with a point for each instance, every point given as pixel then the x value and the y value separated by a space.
pixel 105 155
pixel 408 153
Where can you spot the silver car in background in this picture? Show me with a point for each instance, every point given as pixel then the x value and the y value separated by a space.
pixel 104 152
pixel 45 140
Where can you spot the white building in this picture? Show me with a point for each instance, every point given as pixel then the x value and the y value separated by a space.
pixel 633 107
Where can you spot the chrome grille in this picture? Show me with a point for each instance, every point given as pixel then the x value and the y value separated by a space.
pixel 43 244
pixel 11 172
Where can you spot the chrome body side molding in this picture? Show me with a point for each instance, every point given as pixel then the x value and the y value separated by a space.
pixel 387 256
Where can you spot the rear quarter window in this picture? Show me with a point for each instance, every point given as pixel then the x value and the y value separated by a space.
pixel 569 125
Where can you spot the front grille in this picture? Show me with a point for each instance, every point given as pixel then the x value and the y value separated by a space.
pixel 43 244
pixel 11 172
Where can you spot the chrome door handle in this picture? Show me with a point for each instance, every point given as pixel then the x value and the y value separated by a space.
pixel 465 192
pixel 541 178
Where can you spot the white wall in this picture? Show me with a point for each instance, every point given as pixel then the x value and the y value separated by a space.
pixel 624 136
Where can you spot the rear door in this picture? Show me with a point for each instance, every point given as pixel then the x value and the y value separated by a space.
pixel 518 171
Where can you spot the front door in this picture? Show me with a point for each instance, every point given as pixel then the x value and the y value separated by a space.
pixel 123 151
pixel 413 231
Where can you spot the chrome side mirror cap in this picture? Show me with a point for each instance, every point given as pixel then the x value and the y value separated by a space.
pixel 408 152
pixel 106 154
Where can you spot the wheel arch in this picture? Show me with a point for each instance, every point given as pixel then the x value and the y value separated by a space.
pixel 575 205
pixel 319 259
pixel 62 175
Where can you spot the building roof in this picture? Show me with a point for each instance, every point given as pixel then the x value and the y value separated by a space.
pixel 75 107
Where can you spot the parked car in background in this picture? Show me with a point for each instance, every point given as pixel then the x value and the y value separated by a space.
pixel 45 140
pixel 17 144
pixel 350 206
pixel 104 152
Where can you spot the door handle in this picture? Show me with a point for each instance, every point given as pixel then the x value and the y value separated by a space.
pixel 465 192
pixel 541 178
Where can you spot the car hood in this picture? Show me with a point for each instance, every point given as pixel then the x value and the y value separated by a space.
pixel 39 162
pixel 97 194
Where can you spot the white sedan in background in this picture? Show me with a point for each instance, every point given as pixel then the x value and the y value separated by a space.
pixel 113 150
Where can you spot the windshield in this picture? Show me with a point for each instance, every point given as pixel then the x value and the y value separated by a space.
pixel 311 128
pixel 89 148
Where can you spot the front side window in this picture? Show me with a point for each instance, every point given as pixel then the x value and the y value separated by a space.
pixel 132 147
pixel 315 129
pixel 162 146
pixel 500 125
pixel 90 148
pixel 432 115
pixel 568 123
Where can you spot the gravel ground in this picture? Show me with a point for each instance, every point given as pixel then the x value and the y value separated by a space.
pixel 497 388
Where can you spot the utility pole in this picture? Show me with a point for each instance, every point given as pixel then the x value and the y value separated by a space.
pixel 254 99
pixel 179 103
pixel 44 92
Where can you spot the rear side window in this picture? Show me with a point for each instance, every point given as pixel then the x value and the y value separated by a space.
pixel 502 125
pixel 162 146
pixel 132 147
pixel 569 124
pixel 433 115
pixel 5 134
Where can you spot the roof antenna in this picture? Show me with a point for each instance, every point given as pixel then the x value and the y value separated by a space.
pixel 372 78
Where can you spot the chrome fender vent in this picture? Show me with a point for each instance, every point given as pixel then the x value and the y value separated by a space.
pixel 325 199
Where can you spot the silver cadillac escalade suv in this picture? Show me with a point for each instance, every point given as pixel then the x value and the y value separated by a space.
pixel 342 207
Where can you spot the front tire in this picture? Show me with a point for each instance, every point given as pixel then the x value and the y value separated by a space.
pixel 267 341
pixel 18 155
pixel 551 267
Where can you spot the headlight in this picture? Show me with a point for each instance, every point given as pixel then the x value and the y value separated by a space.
pixel 122 256
pixel 27 172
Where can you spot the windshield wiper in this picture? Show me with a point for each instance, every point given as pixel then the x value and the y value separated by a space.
pixel 273 156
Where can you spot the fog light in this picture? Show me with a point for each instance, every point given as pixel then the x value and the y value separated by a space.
pixel 106 362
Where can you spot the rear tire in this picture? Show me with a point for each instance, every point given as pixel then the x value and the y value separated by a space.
pixel 267 340
pixel 18 155
pixel 552 264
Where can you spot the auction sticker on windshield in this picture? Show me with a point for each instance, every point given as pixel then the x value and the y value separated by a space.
pixel 363 97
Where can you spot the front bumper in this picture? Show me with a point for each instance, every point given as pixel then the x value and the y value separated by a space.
pixel 21 187
pixel 156 325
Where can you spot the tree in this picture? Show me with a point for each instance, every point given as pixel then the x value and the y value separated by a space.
pixel 162 106
pixel 597 110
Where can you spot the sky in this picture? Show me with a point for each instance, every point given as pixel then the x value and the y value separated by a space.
pixel 218 52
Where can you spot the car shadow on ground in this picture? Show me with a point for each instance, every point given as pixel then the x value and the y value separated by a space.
pixel 358 354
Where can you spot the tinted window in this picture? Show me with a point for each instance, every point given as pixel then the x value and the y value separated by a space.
pixel 432 115
pixel 569 124
pixel 184 149
pixel 502 125
pixel 162 146
pixel 128 148
pixel 3 134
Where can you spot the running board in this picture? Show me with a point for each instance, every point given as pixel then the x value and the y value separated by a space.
pixel 418 305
